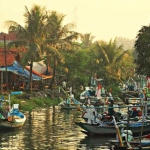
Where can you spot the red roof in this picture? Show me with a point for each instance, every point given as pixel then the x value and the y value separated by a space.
pixel 11 55
pixel 9 58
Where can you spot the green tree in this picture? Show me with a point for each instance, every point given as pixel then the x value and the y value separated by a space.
pixel 113 59
pixel 30 36
pixel 78 66
pixel 142 47
pixel 59 38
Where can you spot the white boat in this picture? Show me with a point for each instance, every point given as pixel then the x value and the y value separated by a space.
pixel 10 116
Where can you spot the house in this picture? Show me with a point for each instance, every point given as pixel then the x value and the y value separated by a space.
pixel 14 73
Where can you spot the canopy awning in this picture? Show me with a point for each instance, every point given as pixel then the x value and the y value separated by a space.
pixel 16 68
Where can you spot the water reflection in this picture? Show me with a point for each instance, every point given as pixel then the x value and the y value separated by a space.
pixel 50 129
pixel 95 142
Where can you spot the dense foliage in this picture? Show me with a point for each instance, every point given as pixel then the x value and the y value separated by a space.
pixel 72 59
pixel 142 47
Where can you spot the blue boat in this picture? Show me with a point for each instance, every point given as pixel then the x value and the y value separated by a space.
pixel 10 116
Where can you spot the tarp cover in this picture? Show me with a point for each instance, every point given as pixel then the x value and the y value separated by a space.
pixel 19 70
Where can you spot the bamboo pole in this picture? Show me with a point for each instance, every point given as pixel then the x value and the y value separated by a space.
pixel 118 132
pixel 6 63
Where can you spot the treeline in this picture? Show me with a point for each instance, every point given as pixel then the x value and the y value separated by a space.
pixel 72 56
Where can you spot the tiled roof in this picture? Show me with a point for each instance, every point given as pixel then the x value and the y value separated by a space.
pixel 10 56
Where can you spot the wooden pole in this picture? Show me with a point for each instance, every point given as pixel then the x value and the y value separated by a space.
pixel 6 63
pixel 118 133
pixel 1 81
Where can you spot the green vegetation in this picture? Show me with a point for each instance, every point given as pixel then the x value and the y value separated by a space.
pixel 46 38
pixel 142 48
pixel 36 103
pixel 30 104
pixel 71 56
pixel 43 37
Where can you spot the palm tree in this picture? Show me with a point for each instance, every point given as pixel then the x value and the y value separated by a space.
pixel 58 39
pixel 30 36
pixel 86 40
pixel 114 58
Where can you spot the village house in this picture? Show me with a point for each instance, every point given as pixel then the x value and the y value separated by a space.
pixel 14 76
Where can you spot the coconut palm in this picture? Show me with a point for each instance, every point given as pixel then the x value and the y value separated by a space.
pixel 114 58
pixel 30 36
pixel 86 40
pixel 58 39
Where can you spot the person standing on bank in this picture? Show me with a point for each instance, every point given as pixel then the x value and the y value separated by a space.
pixel 64 84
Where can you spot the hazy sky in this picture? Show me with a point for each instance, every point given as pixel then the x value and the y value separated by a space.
pixel 104 19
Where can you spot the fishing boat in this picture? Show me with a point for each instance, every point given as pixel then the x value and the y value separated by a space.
pixel 125 140
pixel 10 115
pixel 129 90
pixel 93 125
pixel 144 144
pixel 94 92
pixel 70 103
pixel 110 130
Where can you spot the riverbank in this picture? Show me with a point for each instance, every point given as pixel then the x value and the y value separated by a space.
pixel 38 99
pixel 34 103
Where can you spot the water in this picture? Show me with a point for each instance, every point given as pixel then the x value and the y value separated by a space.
pixel 51 129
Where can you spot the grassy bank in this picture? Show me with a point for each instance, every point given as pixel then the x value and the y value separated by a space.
pixel 32 103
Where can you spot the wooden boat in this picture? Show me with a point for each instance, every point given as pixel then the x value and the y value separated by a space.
pixel 69 103
pixel 130 90
pixel 110 130
pixel 10 117
pixel 138 145
pixel 125 140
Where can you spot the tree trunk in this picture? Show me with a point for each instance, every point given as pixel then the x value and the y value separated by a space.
pixel 30 78
pixel 54 72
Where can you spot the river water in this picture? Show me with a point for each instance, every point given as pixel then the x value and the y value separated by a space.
pixel 51 129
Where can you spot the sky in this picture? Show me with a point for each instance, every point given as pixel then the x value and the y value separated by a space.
pixel 103 19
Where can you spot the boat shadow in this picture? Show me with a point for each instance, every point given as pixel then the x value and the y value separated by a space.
pixel 96 141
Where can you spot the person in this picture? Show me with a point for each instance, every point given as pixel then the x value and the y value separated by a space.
pixel 133 112
pixel 103 92
pixel 111 111
pixel 143 96
pixel 64 84
pixel 98 91
pixel 148 81
pixel 97 104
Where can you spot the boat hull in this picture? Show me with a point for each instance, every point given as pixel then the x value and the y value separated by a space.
pixel 16 123
pixel 133 143
pixel 93 129
pixel 115 145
